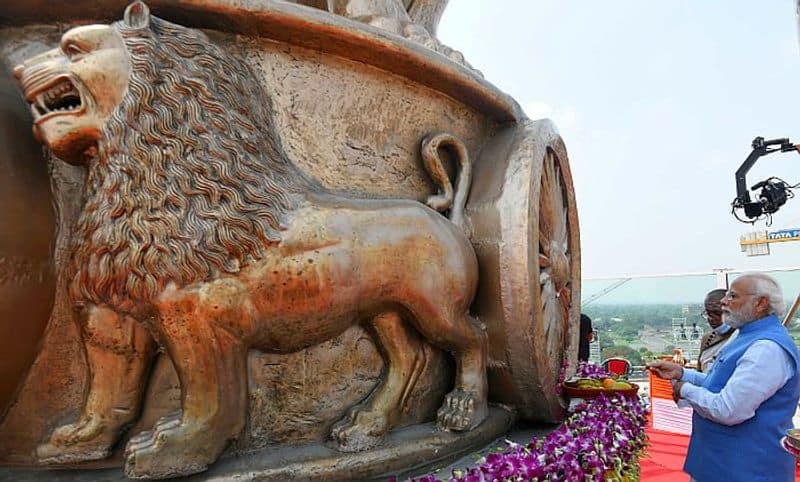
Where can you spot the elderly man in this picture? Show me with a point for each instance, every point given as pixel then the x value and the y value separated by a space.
pixel 744 405
pixel 720 333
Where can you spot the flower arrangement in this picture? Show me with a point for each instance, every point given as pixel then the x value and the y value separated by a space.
pixel 600 440
pixel 590 370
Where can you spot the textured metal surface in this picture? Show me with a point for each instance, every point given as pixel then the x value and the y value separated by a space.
pixel 529 295
pixel 26 233
pixel 198 233
pixel 347 152
pixel 420 448
pixel 352 122
pixel 299 26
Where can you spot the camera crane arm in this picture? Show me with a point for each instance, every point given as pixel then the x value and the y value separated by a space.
pixel 772 197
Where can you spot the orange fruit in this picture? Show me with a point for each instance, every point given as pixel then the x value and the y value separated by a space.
pixel 608 383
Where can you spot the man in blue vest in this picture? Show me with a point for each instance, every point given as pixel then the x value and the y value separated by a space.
pixel 745 404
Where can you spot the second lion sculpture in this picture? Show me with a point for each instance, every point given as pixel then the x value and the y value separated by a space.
pixel 199 235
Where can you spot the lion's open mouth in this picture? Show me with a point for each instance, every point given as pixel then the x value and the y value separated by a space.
pixel 61 97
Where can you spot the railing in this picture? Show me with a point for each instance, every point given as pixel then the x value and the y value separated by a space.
pixel 643 317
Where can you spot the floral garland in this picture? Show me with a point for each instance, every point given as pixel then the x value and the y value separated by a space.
pixel 600 440
pixel 590 370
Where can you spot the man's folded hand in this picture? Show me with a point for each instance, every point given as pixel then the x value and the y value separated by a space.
pixel 666 370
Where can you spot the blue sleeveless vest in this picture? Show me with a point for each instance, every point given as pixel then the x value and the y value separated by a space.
pixel 749 451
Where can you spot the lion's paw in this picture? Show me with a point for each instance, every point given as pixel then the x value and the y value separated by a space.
pixel 171 449
pixel 462 410
pixel 147 437
pixel 360 430
pixel 87 439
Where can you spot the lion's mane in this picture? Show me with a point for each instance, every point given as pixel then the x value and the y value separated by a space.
pixel 190 180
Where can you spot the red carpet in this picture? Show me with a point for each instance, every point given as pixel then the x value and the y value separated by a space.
pixel 666 454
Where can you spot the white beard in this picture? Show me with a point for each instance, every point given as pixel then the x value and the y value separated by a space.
pixel 737 319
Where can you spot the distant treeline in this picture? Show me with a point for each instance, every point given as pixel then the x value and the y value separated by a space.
pixel 635 317
pixel 619 328
pixel 620 325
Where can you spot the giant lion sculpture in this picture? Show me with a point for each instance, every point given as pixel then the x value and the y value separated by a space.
pixel 200 236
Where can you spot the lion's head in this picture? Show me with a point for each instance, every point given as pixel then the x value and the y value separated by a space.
pixel 74 89
pixel 186 177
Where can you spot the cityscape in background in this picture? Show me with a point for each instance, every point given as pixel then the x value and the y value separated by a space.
pixel 641 319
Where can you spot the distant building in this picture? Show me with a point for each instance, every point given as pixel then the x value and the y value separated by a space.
pixel 594 349
pixel 687 337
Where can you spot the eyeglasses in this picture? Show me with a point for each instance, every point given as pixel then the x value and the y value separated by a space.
pixel 731 295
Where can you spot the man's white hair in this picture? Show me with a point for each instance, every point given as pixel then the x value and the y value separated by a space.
pixel 766 285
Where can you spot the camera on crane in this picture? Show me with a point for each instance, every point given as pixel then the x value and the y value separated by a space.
pixel 774 191
pixel 773 195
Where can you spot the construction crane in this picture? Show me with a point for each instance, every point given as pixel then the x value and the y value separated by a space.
pixel 605 291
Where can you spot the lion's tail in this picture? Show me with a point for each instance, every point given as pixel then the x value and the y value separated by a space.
pixel 445 199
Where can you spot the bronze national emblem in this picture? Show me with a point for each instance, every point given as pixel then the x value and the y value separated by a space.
pixel 198 231
pixel 212 247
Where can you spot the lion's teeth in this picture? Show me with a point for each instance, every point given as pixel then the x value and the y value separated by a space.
pixel 40 103
pixel 59 97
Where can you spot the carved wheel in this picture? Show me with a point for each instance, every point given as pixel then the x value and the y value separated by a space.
pixel 558 299
pixel 529 296
pixel 555 287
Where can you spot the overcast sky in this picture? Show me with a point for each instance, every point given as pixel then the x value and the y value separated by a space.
pixel 657 103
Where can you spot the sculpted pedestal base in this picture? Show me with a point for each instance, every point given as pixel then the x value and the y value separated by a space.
pixel 417 447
